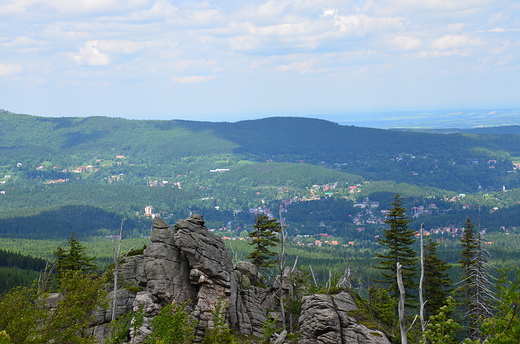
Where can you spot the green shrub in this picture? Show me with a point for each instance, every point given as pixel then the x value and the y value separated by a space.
pixel 133 289
pixel 173 326
pixel 120 328
pixel 220 333
pixel 268 329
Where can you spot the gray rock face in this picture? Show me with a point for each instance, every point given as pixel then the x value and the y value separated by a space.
pixel 253 302
pixel 324 320
pixel 190 264
pixel 186 263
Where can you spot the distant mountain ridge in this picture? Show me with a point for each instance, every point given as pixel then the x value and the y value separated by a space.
pixel 500 130
pixel 453 161
pixel 436 119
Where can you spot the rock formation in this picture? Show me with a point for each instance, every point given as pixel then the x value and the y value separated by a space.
pixel 324 320
pixel 190 264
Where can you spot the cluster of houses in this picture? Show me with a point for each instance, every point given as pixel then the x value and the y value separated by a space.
pixel 319 240
pixel 3 181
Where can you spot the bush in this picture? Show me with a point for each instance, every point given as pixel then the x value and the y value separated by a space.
pixel 173 326
pixel 220 333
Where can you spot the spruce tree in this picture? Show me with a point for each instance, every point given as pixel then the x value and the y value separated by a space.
pixel 263 237
pixel 74 258
pixel 481 303
pixel 398 240
pixel 437 283
pixel 466 291
pixel 468 241
pixel 477 282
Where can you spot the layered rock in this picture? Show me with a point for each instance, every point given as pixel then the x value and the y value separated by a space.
pixel 190 264
pixel 324 320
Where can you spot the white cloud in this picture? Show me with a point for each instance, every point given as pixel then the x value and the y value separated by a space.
pixel 289 29
pixel 81 7
pixel 303 67
pixel 64 30
pixel 10 69
pixel 149 42
pixel 95 52
pixel 405 43
pixel 456 41
pixel 90 54
pixel 20 41
pixel 394 7
pixel 192 79
pixel 120 46
pixel 361 24
pixel 244 43
pixel 161 9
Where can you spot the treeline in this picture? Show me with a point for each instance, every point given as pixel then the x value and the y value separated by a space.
pixel 21 261
pixel 60 222
pixel 17 269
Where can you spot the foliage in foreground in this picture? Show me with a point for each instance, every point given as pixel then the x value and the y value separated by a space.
pixel 28 318
pixel 220 333
pixel 173 326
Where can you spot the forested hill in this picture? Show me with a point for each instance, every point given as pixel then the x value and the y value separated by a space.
pixel 459 162
pixel 319 140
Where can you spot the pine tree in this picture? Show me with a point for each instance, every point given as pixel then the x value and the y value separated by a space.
pixel 437 283
pixel 469 247
pixel 504 326
pixel 398 239
pixel 481 302
pixel 73 259
pixel 263 238
pixel 476 282
pixel 467 289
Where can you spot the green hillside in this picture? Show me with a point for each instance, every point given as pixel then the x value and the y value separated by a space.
pixel 458 162
pixel 222 170
pixel 286 174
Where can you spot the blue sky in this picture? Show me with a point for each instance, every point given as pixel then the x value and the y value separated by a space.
pixel 232 60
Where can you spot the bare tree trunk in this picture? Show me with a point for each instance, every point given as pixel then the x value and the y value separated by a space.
pixel 402 320
pixel 295 263
pixel 313 277
pixel 421 300
pixel 45 276
pixel 117 261
pixel 282 268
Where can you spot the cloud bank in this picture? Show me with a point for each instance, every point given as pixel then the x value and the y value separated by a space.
pixel 291 56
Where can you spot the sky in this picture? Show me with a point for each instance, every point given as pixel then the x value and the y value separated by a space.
pixel 223 60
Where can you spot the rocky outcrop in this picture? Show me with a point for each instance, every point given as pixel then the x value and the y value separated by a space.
pixel 324 320
pixel 187 263
pixel 190 264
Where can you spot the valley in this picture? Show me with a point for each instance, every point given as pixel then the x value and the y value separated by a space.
pixel 331 184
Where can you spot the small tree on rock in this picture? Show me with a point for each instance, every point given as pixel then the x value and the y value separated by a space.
pixel 263 237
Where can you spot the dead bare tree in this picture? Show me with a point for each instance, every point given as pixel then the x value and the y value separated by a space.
pixel 313 277
pixel 281 262
pixel 421 300
pixel 400 309
pixel 44 279
pixel 482 300
pixel 344 280
pixel 117 262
